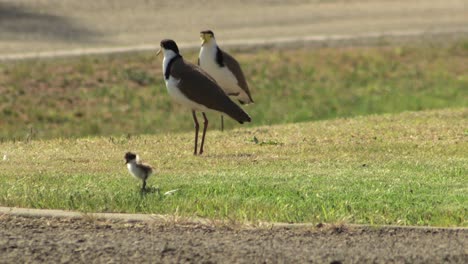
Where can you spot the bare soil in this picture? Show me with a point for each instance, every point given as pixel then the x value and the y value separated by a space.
pixel 44 25
pixel 52 240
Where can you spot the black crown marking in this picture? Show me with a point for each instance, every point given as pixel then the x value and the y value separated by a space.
pixel 169 44
pixel 130 156
pixel 207 32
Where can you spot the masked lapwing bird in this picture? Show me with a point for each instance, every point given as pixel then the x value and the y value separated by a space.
pixel 192 87
pixel 137 169
pixel 224 69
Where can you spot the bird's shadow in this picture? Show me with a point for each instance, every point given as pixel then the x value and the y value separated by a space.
pixel 150 190
pixel 229 155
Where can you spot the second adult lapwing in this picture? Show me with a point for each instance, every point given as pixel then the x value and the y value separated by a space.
pixel 192 87
pixel 224 69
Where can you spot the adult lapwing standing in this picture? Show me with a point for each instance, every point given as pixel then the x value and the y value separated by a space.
pixel 224 69
pixel 139 170
pixel 192 87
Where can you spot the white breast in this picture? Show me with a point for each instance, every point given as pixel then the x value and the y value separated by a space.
pixel 135 171
pixel 223 76
pixel 173 90
pixel 180 98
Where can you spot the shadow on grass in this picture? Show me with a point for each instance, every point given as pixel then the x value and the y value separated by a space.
pixel 150 190
pixel 227 155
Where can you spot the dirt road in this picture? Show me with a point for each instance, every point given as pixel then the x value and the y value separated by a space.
pixel 44 25
pixel 52 240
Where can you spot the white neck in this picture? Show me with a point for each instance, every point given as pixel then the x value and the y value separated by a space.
pixel 209 48
pixel 132 162
pixel 168 55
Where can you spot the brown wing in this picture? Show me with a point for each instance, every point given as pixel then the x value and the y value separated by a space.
pixel 146 168
pixel 235 68
pixel 200 87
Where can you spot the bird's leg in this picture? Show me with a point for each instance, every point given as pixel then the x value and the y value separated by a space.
pixel 222 123
pixel 143 188
pixel 197 126
pixel 205 123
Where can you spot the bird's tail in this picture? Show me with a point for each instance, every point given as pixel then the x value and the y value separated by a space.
pixel 245 98
pixel 236 113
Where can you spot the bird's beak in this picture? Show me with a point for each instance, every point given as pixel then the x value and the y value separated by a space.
pixel 126 161
pixel 159 51
pixel 203 39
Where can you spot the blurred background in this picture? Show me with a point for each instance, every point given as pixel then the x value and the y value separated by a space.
pixel 305 60
pixel 50 25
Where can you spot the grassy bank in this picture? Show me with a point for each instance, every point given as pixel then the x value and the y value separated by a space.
pixel 125 94
pixel 404 169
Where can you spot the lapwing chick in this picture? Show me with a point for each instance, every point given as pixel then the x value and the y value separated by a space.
pixel 137 169
pixel 192 87
pixel 224 69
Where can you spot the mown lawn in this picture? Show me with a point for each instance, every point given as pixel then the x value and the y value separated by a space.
pixel 404 169
pixel 125 94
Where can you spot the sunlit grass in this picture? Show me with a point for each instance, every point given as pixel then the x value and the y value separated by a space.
pixel 404 169
pixel 125 94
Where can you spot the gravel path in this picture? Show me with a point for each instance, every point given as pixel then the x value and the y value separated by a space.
pixel 51 240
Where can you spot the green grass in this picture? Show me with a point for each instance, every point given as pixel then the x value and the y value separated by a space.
pixel 404 169
pixel 125 94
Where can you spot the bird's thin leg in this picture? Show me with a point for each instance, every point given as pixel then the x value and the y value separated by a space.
pixel 197 126
pixel 144 185
pixel 222 123
pixel 205 123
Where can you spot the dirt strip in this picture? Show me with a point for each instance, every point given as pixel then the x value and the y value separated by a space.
pixel 42 27
pixel 67 239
